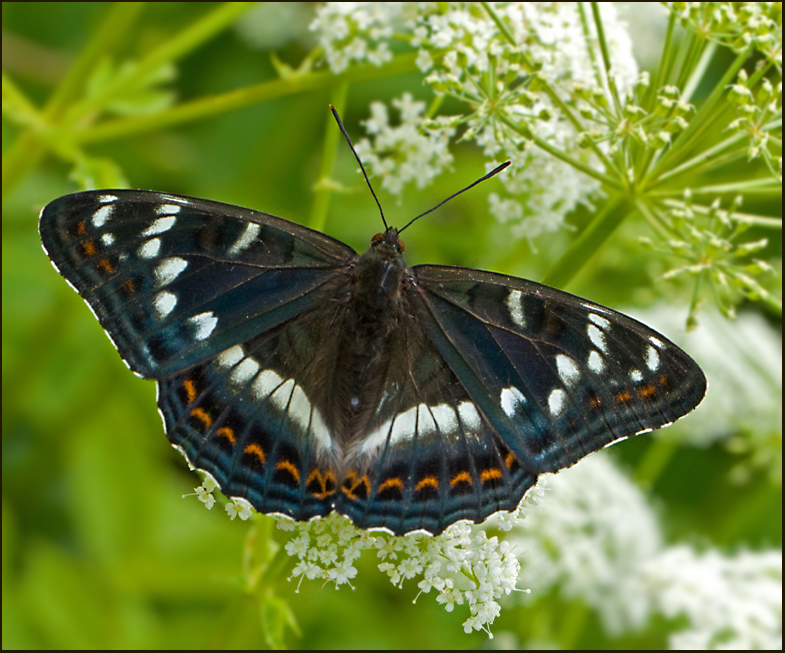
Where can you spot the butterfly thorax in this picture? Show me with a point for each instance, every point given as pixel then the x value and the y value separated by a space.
pixel 370 320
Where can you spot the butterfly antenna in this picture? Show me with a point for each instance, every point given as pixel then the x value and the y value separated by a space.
pixel 351 147
pixel 493 172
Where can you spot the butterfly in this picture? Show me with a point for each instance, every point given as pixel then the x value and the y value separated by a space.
pixel 306 378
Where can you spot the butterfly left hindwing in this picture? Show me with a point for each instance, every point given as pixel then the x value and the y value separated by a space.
pixel 305 378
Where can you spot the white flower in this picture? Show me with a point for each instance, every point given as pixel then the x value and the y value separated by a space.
pixel 355 32
pixel 238 508
pixel 730 602
pixel 590 534
pixel 406 152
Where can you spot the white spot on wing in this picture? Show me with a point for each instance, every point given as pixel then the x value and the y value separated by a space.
pixel 426 424
pixel 169 269
pixel 265 383
pixel 160 226
pixel 280 398
pixel 230 357
pixel 107 240
pixel 636 376
pixel 107 199
pixel 300 408
pixel 568 369
pixel 320 431
pixel 509 400
pixel 557 401
pixel 597 338
pixel 656 342
pixel 446 419
pixel 245 240
pixel 652 359
pixel 164 197
pixel 150 249
pixel 244 371
pixel 204 324
pixel 599 321
pixel 515 306
pixel 376 439
pixel 168 209
pixel 102 215
pixel 595 362
pixel 404 425
pixel 164 303
pixel 470 418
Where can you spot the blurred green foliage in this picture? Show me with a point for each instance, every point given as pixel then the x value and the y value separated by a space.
pixel 99 550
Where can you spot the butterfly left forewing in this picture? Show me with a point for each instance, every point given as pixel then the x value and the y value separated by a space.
pixel 174 280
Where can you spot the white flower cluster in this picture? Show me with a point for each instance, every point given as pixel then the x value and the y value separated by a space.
pixel 406 152
pixel 469 57
pixel 590 535
pixel 597 538
pixel 463 564
pixel 730 602
pixel 355 32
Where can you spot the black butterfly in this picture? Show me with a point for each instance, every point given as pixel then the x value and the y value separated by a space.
pixel 306 378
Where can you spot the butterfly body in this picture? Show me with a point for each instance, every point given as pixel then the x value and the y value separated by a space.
pixel 306 378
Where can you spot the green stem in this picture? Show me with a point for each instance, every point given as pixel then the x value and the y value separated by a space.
pixel 666 63
pixel 205 107
pixel 171 50
pixel 28 150
pixel 655 460
pixel 766 186
pixel 590 50
pixel 747 218
pixel 697 73
pixel 332 138
pixel 588 243
pixel 699 123
pixel 606 59
pixel 609 182
pixel 708 156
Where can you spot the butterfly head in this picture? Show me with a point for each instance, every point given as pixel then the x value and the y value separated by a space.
pixel 388 244
pixel 380 271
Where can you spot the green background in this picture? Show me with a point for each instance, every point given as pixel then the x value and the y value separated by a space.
pixel 99 549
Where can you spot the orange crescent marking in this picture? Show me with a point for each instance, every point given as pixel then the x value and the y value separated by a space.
pixel 106 265
pixel 289 467
pixel 390 482
pixel 256 450
pixel 461 477
pixel 226 432
pixel 490 474
pixel 128 286
pixel 80 229
pixel 322 479
pixel 202 416
pixel 509 459
pixel 428 481
pixel 354 483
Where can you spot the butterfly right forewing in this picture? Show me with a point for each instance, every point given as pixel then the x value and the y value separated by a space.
pixel 556 375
